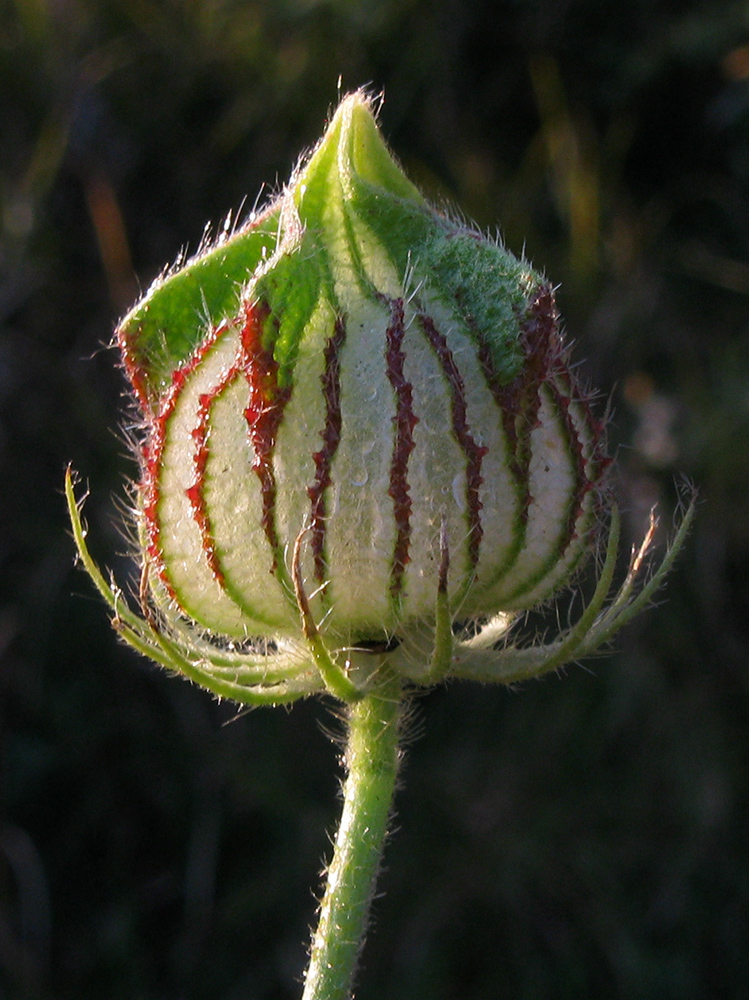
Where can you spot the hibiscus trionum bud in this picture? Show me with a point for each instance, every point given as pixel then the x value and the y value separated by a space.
pixel 362 448
pixel 385 380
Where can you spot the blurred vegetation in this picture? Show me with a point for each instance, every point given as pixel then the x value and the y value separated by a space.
pixel 584 837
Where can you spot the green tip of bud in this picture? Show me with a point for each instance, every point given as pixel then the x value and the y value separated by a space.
pixel 360 425
pixel 353 152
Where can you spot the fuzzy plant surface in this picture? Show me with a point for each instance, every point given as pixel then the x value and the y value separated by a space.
pixel 363 455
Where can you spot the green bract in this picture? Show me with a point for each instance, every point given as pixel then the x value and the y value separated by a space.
pixel 360 426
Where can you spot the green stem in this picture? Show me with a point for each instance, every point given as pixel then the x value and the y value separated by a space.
pixel 371 759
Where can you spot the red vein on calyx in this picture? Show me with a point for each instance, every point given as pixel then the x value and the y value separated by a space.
pixel 331 436
pixel 404 422
pixel 264 411
pixel 153 454
pixel 474 453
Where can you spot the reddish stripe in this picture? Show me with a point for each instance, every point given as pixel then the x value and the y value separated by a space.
pixel 563 401
pixel 196 491
pixel 331 436
pixel 474 453
pixel 153 452
pixel 403 444
pixel 134 368
pixel 588 471
pixel 264 411
pixel 547 364
pixel 504 397
pixel 520 401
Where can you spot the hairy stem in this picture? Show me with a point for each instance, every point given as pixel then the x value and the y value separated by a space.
pixel 371 759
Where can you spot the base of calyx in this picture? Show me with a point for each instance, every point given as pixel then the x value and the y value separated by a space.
pixel 285 670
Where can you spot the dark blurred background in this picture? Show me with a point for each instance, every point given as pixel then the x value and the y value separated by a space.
pixel 582 837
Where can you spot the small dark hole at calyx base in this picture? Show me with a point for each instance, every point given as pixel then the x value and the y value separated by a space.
pixel 378 645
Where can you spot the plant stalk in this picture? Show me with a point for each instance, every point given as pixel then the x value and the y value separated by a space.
pixel 371 759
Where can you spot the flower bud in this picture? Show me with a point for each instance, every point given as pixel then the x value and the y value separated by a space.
pixel 357 370
pixel 359 427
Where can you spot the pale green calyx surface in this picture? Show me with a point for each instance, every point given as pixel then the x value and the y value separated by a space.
pixel 360 428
